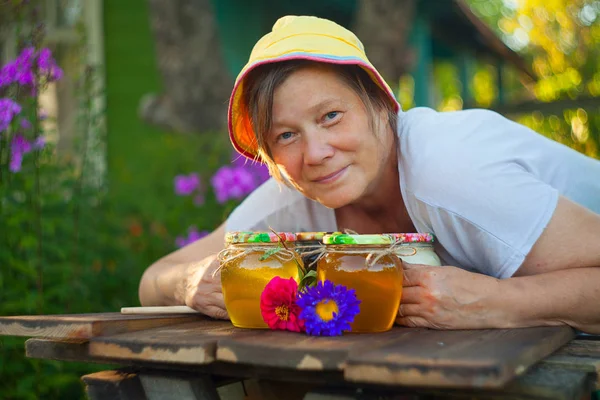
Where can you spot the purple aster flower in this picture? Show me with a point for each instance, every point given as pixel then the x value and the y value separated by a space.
pixel 186 184
pixel 328 309
pixel 8 109
pixel 193 235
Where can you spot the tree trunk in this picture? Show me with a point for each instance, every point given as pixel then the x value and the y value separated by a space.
pixel 383 26
pixel 194 75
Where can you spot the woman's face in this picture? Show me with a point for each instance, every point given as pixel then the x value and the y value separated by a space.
pixel 322 141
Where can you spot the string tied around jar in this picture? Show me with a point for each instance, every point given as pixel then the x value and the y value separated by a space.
pixel 228 255
pixel 374 255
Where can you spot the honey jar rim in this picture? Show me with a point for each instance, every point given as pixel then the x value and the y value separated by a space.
pixel 312 236
pixel 236 237
pixel 377 239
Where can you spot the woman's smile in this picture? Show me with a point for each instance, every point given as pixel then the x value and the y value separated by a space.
pixel 330 178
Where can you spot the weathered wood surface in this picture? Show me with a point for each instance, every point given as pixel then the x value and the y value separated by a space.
pixel 540 382
pixel 299 351
pixel 579 354
pixel 78 350
pixel 457 359
pixel 566 374
pixel 187 343
pixel 402 356
pixel 85 325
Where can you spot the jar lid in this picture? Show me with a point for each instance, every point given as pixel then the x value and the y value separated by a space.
pixel 311 236
pixel 259 237
pixel 385 238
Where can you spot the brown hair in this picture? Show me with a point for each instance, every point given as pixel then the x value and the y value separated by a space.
pixel 261 82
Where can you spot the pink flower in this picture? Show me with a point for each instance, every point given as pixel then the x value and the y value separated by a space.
pixel 278 305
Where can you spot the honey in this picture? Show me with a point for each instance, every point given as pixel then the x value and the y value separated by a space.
pixel 247 266
pixel 378 284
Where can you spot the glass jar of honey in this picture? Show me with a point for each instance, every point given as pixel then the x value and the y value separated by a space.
pixel 415 248
pixel 249 261
pixel 367 264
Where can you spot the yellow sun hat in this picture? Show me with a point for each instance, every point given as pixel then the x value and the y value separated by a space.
pixel 296 38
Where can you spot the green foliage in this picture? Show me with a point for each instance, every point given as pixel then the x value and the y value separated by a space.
pixel 561 41
pixel 75 242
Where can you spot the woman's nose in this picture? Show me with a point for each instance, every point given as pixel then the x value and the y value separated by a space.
pixel 317 148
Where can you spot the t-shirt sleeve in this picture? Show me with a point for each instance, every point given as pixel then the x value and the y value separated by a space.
pixel 493 247
pixel 482 200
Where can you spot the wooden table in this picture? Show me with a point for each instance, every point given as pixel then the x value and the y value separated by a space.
pixel 194 357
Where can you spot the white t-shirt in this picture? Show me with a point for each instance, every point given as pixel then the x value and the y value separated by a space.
pixel 484 185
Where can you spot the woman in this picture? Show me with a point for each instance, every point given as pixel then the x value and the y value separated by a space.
pixel 516 215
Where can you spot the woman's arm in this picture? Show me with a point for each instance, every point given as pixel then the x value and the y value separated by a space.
pixel 187 276
pixel 559 283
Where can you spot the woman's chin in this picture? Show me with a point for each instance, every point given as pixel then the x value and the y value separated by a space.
pixel 334 199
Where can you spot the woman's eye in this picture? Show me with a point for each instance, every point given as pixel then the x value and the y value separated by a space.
pixel 285 136
pixel 331 115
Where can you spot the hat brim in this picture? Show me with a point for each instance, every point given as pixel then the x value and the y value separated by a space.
pixel 241 133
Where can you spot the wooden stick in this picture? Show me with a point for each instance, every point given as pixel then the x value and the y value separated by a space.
pixel 159 310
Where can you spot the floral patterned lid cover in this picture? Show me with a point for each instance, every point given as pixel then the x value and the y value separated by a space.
pixel 312 236
pixel 259 237
pixel 384 238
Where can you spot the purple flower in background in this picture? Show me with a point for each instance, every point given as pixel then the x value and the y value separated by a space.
pixel 193 235
pixel 24 74
pixel 257 169
pixel 8 74
pixel 21 146
pixel 8 109
pixel 21 69
pixel 232 183
pixel 48 66
pixel 199 199
pixel 39 143
pixel 25 124
pixel 186 184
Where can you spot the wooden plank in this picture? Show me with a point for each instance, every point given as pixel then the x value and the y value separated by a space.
pixel 117 385
pixel 78 350
pixel 540 382
pixel 159 310
pixel 81 326
pixel 57 349
pixel 485 358
pixel 579 354
pixel 298 351
pixel 188 343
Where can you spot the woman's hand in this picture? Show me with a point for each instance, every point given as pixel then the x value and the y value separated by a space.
pixel 202 288
pixel 448 298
